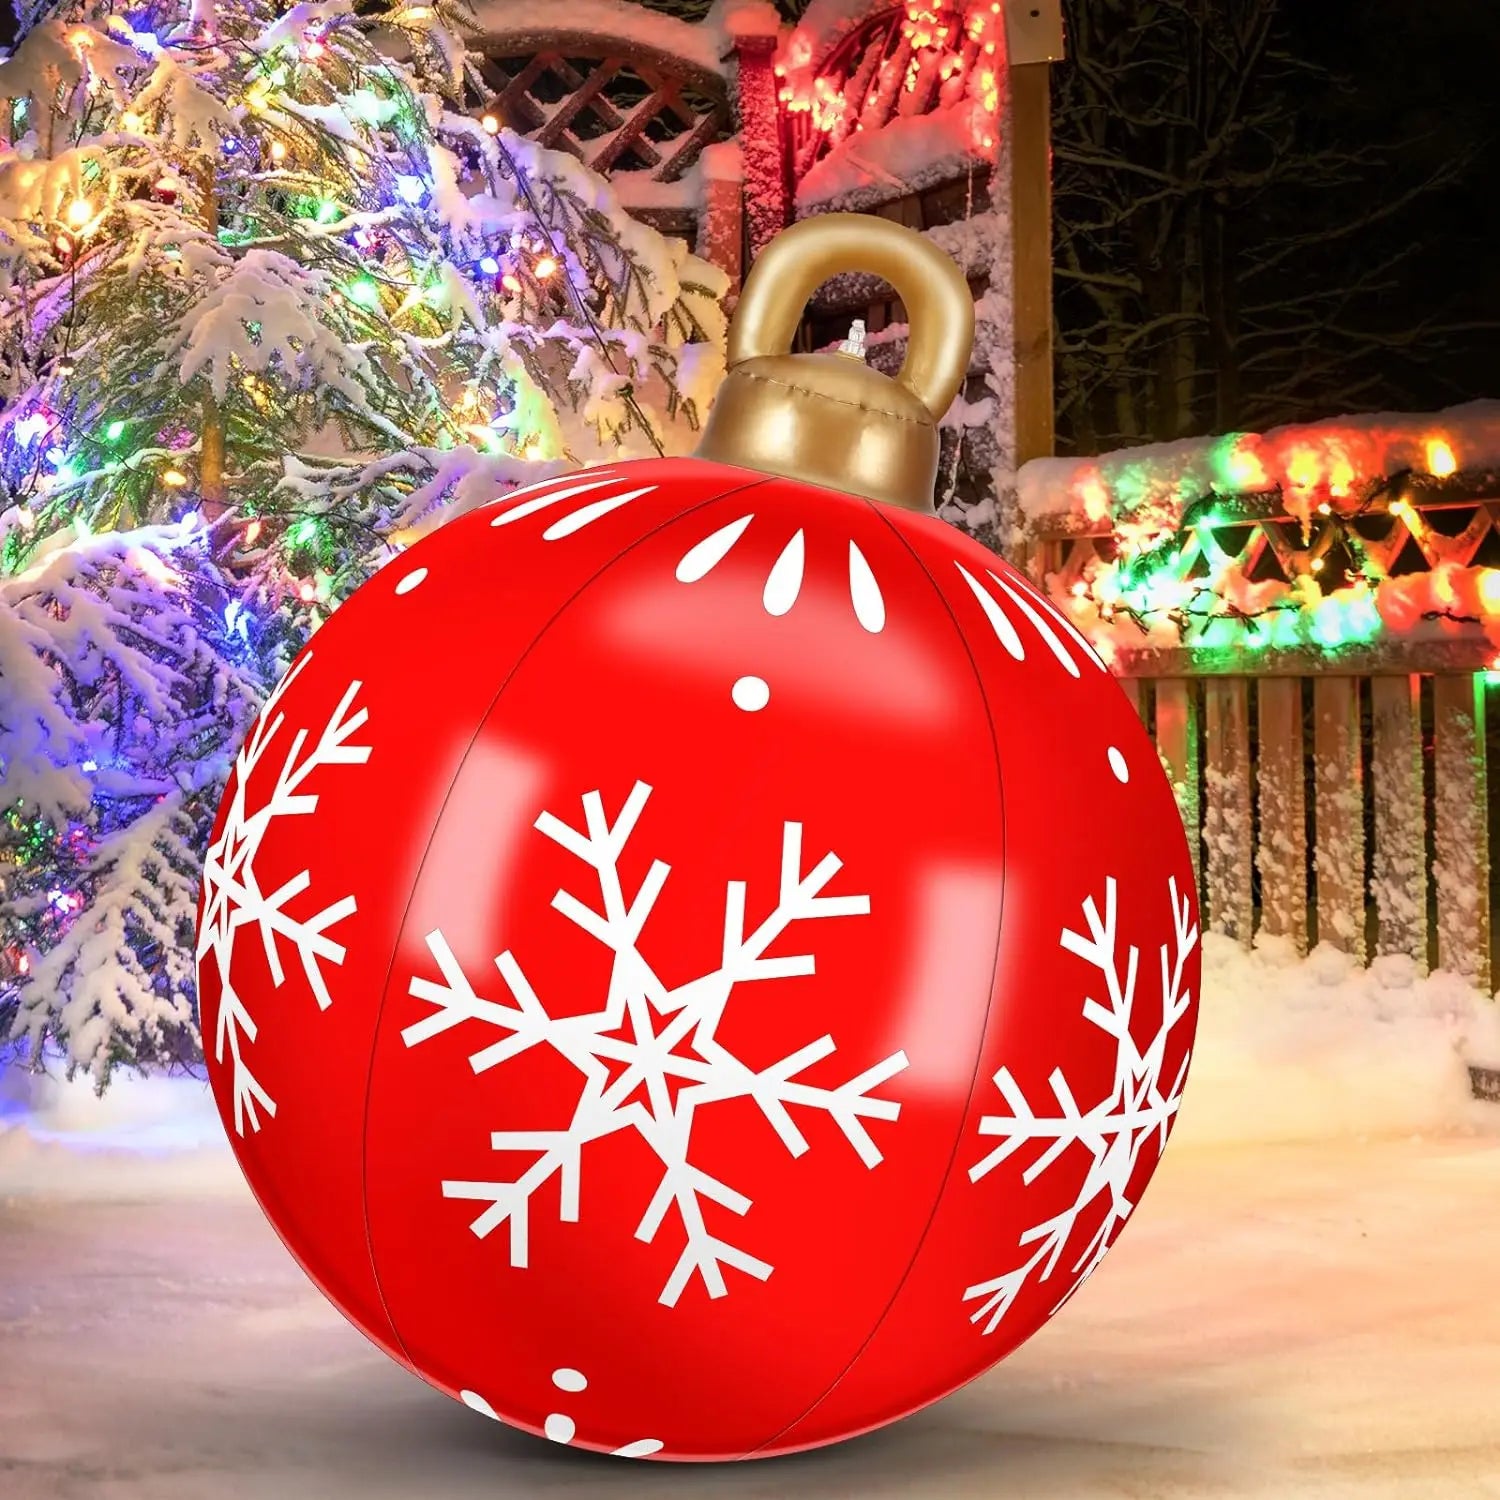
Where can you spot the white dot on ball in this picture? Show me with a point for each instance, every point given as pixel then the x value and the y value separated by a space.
pixel 1117 765
pixel 475 1402
pixel 560 1428
pixel 411 580
pixel 751 694
pixel 570 1380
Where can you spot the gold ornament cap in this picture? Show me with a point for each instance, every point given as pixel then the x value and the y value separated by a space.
pixel 830 419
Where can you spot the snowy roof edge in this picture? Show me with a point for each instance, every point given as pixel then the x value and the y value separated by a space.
pixel 700 44
pixel 1301 458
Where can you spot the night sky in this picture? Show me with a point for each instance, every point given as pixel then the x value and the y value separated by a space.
pixel 1426 73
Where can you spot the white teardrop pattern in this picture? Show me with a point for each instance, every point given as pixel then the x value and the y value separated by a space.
pixel 586 515
pixel 1078 638
pixel 702 559
pixel 864 590
pixel 1043 629
pixel 1039 612
pixel 785 580
pixel 783 584
pixel 996 616
pixel 575 520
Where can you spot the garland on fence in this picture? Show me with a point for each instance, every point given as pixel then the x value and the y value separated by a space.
pixel 1147 585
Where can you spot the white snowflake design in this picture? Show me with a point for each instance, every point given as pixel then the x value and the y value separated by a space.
pixel 655 1020
pixel 559 1426
pixel 233 898
pixel 1116 1130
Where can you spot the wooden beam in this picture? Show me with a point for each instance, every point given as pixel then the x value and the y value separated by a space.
pixel 768 186
pixel 1399 868
pixel 1461 844
pixel 1031 257
pixel 1468 649
pixel 721 229
pixel 1227 842
pixel 1177 743
pixel 1339 815
pixel 1281 852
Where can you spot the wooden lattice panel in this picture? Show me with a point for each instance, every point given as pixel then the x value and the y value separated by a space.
pixel 631 112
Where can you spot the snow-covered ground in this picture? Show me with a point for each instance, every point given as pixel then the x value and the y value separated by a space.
pixel 1304 1306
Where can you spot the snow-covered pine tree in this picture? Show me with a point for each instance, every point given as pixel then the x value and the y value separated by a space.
pixel 270 300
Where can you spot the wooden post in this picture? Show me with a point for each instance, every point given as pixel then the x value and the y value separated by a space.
pixel 1031 257
pixel 721 229
pixel 1461 862
pixel 758 113
pixel 1177 744
pixel 1399 873
pixel 1281 855
pixel 1338 815
pixel 1227 843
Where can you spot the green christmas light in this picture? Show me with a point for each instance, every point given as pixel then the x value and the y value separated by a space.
pixel 367 105
pixel 1133 485
pixel 1329 625
pixel 1235 467
pixel 363 292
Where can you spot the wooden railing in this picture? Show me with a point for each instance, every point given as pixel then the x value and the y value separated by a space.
pixel 1333 791
pixel 1351 810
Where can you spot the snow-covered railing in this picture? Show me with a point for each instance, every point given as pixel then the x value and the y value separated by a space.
pixel 1306 619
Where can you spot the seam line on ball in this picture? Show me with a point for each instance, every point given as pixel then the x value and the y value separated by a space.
pixel 959 1131
pixel 754 483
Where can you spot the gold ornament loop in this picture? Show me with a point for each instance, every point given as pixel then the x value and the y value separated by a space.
pixel 939 305
pixel 831 419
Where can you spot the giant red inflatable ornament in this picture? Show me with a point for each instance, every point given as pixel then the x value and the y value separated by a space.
pixel 695 962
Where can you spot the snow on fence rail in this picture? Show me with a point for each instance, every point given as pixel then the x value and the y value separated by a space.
pixel 1306 620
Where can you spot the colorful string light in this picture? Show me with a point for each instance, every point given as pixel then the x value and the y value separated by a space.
pixel 1168 569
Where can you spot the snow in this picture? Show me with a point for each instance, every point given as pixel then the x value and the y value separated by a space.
pixel 149 1137
pixel 519 22
pixel 723 162
pixel 1165 476
pixel 906 155
pixel 1302 1308
pixel 825 22
pixel 1313 1322
pixel 732 19
pixel 264 315
pixel 1317 1049
pixel 638 190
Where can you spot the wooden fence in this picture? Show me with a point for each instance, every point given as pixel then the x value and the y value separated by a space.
pixel 1333 790
pixel 1348 810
